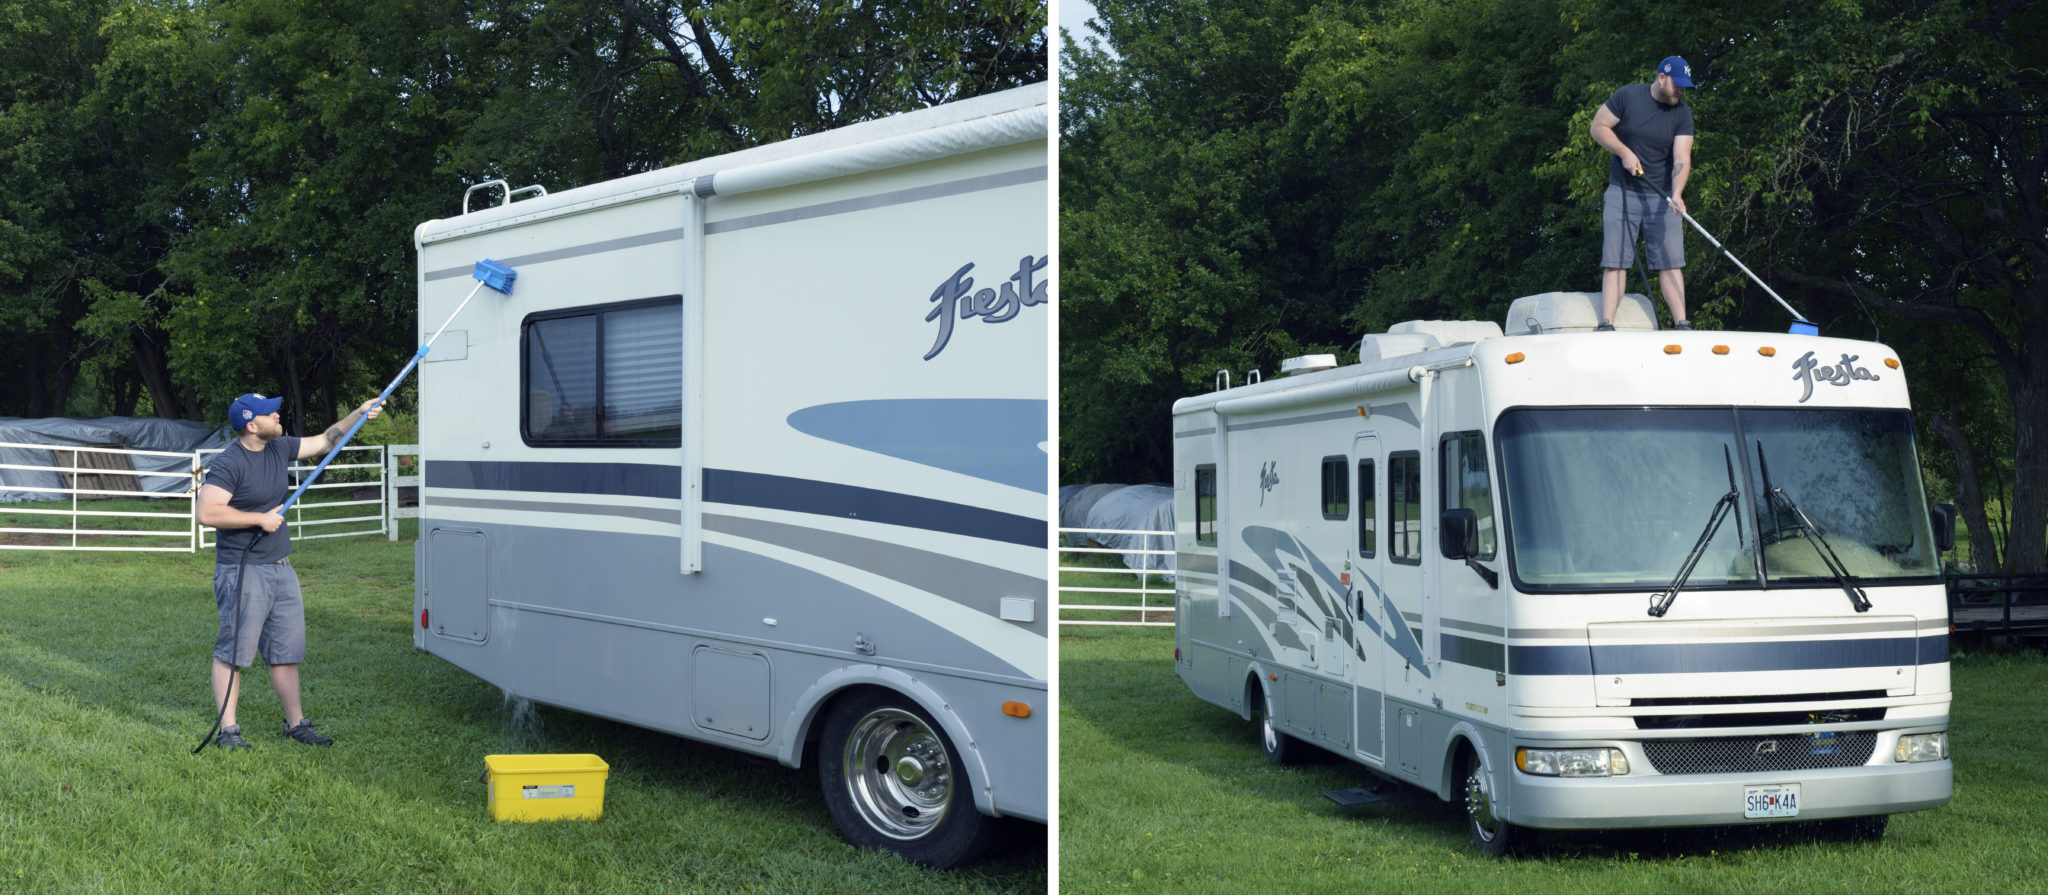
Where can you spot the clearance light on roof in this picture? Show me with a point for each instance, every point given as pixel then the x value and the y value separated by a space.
pixel 1514 358
pixel 1767 351
pixel 1892 362
pixel 1720 349
pixel 1672 349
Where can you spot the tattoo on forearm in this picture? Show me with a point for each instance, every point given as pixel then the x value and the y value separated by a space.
pixel 333 433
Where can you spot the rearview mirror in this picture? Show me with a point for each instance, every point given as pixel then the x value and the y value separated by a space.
pixel 1944 527
pixel 1458 533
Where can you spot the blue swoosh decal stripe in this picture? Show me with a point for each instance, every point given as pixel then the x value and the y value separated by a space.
pixel 994 439
pixel 774 492
pixel 742 489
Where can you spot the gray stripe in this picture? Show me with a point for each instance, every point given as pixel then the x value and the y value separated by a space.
pixel 1474 627
pixel 881 200
pixel 1193 433
pixel 590 248
pixel 971 584
pixel 670 517
pixel 1548 633
pixel 1687 631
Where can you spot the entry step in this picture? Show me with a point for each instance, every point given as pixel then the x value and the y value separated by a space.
pixel 1360 797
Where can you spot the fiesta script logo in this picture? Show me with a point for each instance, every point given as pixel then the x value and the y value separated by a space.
pixel 1806 370
pixel 957 299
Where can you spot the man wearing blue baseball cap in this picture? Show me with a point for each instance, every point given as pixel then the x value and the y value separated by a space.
pixel 1648 129
pixel 254 586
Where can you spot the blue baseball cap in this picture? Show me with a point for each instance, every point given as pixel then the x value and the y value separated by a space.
pixel 1676 67
pixel 249 407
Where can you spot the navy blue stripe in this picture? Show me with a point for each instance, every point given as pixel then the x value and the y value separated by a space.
pixel 743 489
pixel 621 479
pixel 1550 660
pixel 1707 658
pixel 1934 649
pixel 776 492
pixel 1477 653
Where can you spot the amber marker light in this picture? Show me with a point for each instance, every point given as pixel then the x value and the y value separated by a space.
pixel 1514 358
pixel 1017 709
pixel 1892 362
pixel 1672 349
pixel 1767 351
pixel 1720 349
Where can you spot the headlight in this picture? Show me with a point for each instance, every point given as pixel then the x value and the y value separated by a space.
pixel 1921 747
pixel 1605 762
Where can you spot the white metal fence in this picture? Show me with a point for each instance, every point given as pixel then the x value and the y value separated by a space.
pixel 357 495
pixel 1149 604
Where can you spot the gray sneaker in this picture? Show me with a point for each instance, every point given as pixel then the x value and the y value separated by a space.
pixel 230 738
pixel 1683 324
pixel 1604 328
pixel 305 733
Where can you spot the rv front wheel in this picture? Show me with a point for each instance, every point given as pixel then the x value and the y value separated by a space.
pixel 1279 748
pixel 893 781
pixel 1490 834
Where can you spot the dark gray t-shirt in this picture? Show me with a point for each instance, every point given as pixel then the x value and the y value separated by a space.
pixel 256 483
pixel 1647 128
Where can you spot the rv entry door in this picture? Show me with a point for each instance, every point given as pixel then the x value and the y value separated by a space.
pixel 1367 603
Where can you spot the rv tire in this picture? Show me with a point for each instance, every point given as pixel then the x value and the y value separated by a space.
pixel 1490 834
pixel 894 782
pixel 1278 747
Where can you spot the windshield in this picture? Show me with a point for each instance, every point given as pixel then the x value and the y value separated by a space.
pixel 1615 498
pixel 1853 473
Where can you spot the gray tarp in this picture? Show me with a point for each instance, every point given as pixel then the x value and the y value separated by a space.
pixel 142 434
pixel 1135 508
pixel 1076 501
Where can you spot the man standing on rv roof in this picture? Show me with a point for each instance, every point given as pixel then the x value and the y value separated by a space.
pixel 1648 128
pixel 244 488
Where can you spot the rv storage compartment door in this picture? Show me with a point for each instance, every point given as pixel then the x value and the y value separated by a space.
pixel 458 583
pixel 729 692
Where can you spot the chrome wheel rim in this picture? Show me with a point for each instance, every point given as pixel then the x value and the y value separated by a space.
pixel 1479 805
pixel 1266 729
pixel 898 773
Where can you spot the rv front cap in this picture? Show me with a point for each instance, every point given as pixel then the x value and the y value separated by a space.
pixel 249 407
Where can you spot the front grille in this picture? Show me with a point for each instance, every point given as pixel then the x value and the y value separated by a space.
pixel 1751 754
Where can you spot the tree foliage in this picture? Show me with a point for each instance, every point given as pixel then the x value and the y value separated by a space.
pixel 1245 181
pixel 199 199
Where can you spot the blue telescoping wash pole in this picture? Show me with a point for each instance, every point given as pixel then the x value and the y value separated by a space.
pixel 488 273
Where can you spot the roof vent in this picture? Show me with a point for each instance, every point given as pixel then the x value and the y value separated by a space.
pixel 1449 332
pixel 1380 346
pixel 1576 312
pixel 1308 363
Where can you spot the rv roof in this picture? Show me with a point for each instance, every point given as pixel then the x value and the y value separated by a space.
pixel 679 176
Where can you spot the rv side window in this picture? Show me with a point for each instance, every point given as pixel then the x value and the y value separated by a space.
pixel 1336 489
pixel 1368 522
pixel 607 376
pixel 1205 505
pixel 1465 483
pixel 1404 496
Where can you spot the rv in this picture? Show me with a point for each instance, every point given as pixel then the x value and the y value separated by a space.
pixel 1574 579
pixel 754 452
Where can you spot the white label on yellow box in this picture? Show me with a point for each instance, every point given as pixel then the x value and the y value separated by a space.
pixel 567 791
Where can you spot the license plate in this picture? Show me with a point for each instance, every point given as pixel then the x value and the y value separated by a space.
pixel 1781 800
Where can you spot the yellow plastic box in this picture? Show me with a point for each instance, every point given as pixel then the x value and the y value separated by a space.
pixel 545 787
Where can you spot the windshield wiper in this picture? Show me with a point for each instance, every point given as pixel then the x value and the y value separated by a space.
pixel 1724 507
pixel 1820 543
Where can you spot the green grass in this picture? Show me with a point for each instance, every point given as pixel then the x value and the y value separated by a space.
pixel 103 693
pixel 1160 791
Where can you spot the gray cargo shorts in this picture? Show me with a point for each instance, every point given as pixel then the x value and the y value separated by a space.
pixel 273 615
pixel 1629 213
